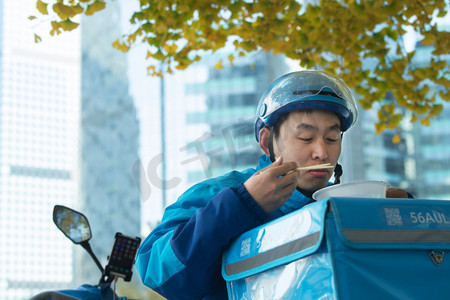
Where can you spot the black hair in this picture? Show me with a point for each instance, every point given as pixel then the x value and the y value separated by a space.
pixel 276 127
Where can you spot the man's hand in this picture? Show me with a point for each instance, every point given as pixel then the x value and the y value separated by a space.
pixel 273 186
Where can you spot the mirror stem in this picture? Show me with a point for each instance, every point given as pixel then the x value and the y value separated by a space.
pixel 88 248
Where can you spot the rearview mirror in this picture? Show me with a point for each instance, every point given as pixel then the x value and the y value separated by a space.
pixel 73 224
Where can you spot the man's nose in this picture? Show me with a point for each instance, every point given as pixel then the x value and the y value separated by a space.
pixel 319 150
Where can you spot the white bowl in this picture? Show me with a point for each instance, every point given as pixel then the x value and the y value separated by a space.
pixel 363 189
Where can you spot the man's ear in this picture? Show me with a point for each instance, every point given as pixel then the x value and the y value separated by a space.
pixel 264 135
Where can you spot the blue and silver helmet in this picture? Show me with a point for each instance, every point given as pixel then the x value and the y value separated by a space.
pixel 306 90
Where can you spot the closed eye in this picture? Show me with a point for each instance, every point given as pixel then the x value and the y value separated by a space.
pixel 306 140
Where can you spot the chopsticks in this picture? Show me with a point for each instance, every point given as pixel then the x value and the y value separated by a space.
pixel 321 166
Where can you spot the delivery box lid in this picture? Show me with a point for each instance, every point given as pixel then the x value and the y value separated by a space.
pixel 278 242
pixel 392 223
pixel 361 223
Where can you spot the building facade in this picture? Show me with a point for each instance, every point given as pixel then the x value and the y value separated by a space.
pixel 432 155
pixel 109 143
pixel 69 135
pixel 39 133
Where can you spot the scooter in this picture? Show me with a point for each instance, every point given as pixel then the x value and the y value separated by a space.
pixel 75 226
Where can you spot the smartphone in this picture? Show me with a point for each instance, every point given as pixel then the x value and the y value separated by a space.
pixel 122 256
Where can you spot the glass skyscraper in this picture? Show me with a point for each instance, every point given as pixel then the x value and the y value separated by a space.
pixel 432 145
pixel 109 140
pixel 69 135
pixel 39 132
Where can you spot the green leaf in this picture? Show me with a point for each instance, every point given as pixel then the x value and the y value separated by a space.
pixel 147 27
pixel 437 109
pixel 442 13
pixel 137 16
pixel 159 55
pixel 428 40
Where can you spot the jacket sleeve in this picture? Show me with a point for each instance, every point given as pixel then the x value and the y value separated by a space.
pixel 181 258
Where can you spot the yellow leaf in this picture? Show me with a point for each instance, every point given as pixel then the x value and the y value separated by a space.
pixel 132 37
pixel 421 109
pixel 445 96
pixel 31 18
pixel 428 39
pixel 65 12
pixel 181 67
pixel 95 7
pixel 37 38
pixel 231 59
pixel 396 139
pixel 161 28
pixel 68 25
pixel 414 118
pixel 425 122
pixel 171 49
pixel 379 127
pixel 55 28
pixel 219 65
pixel 120 46
pixel 42 7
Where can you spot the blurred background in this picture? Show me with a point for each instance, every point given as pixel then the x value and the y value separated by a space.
pixel 83 125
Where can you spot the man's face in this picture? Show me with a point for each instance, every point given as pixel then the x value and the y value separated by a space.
pixel 310 138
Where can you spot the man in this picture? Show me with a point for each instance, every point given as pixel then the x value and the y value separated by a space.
pixel 300 122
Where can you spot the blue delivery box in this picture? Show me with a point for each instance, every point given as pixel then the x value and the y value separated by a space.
pixel 345 248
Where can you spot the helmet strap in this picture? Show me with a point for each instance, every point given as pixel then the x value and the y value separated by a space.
pixel 337 174
pixel 338 169
pixel 270 145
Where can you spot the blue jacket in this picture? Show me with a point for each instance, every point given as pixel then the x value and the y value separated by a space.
pixel 181 258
